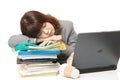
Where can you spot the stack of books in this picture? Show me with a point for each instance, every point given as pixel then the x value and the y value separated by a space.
pixel 33 59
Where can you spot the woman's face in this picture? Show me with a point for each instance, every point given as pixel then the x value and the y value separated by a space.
pixel 47 30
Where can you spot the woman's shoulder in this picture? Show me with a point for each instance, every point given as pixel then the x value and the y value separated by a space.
pixel 66 24
pixel 18 36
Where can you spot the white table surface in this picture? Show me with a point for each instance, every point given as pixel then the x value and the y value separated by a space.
pixel 9 71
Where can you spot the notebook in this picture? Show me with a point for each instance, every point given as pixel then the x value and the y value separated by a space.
pixel 98 51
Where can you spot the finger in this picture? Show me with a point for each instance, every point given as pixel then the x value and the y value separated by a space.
pixel 43 43
pixel 50 42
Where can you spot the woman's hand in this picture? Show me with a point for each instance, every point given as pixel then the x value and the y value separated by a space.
pixel 46 42
pixel 54 38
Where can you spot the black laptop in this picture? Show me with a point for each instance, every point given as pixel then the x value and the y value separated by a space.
pixel 98 51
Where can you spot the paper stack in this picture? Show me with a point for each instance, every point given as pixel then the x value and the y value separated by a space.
pixel 38 60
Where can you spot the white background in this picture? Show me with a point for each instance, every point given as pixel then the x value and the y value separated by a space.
pixel 87 16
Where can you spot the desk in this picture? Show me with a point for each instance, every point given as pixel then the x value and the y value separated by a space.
pixel 9 70
pixel 105 75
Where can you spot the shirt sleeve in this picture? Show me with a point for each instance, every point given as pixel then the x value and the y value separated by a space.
pixel 71 42
pixel 17 39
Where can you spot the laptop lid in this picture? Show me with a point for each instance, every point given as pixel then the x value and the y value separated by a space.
pixel 97 51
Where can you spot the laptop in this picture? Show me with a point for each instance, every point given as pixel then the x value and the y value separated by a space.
pixel 98 51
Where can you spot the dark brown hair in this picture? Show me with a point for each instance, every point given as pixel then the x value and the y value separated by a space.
pixel 32 21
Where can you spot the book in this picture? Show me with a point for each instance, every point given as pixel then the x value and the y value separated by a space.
pixel 24 61
pixel 39 66
pixel 37 56
pixel 53 46
pixel 25 46
pixel 38 69
pixel 39 52
pixel 24 73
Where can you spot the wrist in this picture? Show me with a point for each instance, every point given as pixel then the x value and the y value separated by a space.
pixel 38 40
pixel 32 40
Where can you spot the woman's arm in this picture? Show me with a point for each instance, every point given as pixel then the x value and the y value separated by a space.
pixel 72 40
pixel 69 36
pixel 54 38
pixel 17 39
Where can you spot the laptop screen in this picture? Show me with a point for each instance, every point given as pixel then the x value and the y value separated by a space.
pixel 97 51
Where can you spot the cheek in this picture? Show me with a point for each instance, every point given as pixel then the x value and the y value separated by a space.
pixel 54 31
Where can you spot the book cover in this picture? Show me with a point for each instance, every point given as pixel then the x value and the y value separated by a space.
pixel 39 52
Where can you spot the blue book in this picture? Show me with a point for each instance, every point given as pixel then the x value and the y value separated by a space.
pixel 39 52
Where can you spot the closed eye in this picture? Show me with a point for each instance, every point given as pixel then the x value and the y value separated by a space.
pixel 44 25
